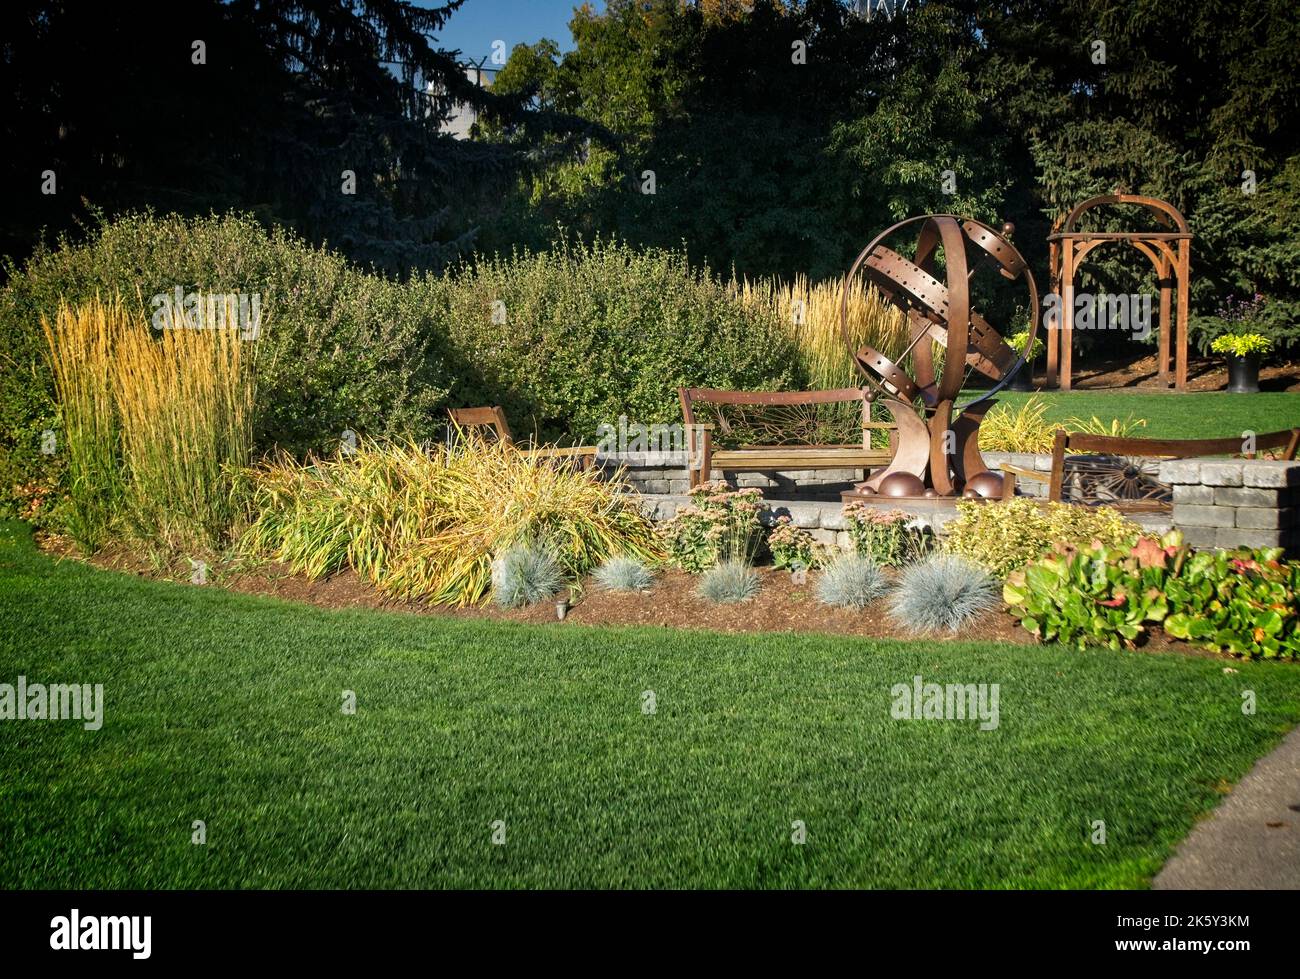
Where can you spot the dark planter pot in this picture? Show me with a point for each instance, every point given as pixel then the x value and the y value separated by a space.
pixel 1023 379
pixel 1243 374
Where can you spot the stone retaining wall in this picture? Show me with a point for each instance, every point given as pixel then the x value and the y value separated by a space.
pixel 1236 503
pixel 1216 502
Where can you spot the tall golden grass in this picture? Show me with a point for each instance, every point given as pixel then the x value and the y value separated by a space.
pixel 155 426
pixel 428 523
pixel 81 342
pixel 186 406
pixel 811 313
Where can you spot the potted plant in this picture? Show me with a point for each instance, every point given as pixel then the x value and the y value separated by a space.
pixel 1243 351
pixel 1238 334
pixel 1023 379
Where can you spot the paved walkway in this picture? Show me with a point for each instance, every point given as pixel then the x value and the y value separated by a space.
pixel 1252 841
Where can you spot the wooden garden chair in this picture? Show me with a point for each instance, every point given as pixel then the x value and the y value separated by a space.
pixel 480 420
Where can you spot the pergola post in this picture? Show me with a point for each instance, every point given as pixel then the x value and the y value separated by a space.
pixel 1166 324
pixel 1067 311
pixel 1184 273
pixel 1054 327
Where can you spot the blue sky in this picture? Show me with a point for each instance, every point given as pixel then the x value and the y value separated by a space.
pixel 478 23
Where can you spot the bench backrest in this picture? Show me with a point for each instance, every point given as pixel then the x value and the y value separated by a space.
pixel 1288 440
pixel 719 396
pixel 478 419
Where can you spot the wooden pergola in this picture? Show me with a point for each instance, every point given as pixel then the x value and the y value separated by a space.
pixel 1170 253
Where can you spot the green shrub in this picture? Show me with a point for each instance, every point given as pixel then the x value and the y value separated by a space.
pixel 890 537
pixel 942 593
pixel 525 574
pixel 588 333
pixel 1004 536
pixel 850 581
pixel 573 338
pixel 727 582
pixel 718 524
pixel 341 349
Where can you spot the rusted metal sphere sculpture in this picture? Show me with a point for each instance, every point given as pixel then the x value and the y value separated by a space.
pixel 938 444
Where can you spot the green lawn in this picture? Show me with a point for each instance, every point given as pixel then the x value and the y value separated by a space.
pixel 226 708
pixel 1212 414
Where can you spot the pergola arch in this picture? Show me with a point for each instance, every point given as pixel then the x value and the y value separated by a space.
pixel 1169 252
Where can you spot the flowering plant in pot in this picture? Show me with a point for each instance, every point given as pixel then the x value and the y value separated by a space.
pixel 1024 377
pixel 1243 351
pixel 1242 342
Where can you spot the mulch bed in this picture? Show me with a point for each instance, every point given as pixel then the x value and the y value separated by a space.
pixel 671 603
pixel 1203 374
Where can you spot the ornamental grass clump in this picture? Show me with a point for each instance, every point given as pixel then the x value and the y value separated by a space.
pixel 727 582
pixel 942 593
pixel 527 573
pixel 850 581
pixel 80 343
pixel 718 524
pixel 1007 535
pixel 427 524
pixel 185 402
pixel 155 426
pixel 624 574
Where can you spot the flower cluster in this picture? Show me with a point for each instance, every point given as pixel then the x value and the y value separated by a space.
pixel 718 524
pixel 791 546
pixel 892 537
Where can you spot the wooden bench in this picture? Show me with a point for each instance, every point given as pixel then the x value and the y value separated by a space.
pixel 1288 440
pixel 494 419
pixel 703 457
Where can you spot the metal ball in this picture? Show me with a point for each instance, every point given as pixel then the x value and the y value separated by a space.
pixel 901 484
pixel 1008 229
pixel 930 493
pixel 969 494
pixel 986 484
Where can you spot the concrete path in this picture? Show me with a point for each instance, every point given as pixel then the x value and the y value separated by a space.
pixel 1252 841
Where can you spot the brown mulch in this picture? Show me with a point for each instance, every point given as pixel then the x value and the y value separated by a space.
pixel 1203 374
pixel 671 603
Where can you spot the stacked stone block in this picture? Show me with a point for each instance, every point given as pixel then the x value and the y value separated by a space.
pixel 1236 503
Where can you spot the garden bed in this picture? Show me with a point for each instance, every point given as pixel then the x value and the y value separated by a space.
pixel 671 603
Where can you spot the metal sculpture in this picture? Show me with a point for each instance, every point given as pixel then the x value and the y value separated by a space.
pixel 938 442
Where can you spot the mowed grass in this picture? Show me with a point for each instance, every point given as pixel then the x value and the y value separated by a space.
pixel 1169 414
pixel 227 709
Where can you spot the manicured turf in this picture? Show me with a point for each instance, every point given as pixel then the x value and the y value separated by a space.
pixel 227 709
pixel 1213 414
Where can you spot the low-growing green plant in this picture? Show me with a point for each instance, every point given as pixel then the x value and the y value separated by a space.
pixel 526 574
pixel 1126 427
pixel 729 581
pixel 1007 535
pixel 850 580
pixel 624 574
pixel 1246 603
pixel 791 546
pixel 1098 594
pixel 1240 602
pixel 718 524
pixel 889 537
pixel 942 593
